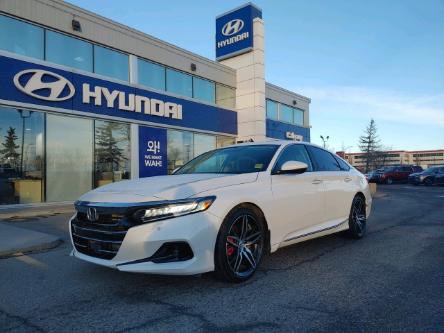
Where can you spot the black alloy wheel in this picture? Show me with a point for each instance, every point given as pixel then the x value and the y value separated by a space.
pixel 389 181
pixel 428 181
pixel 357 220
pixel 240 245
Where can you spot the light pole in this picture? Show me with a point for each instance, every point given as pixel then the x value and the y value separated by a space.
pixel 23 115
pixel 325 140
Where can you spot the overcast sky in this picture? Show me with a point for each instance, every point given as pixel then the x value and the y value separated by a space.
pixel 356 60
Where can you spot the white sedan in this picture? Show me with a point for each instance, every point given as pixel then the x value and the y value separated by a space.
pixel 221 211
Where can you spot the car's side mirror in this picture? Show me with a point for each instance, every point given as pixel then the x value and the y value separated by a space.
pixel 293 167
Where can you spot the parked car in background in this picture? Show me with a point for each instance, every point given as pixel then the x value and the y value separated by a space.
pixel 396 174
pixel 222 211
pixel 430 176
pixel 439 178
pixel 373 176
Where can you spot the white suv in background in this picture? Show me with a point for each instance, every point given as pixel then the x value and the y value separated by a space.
pixel 222 211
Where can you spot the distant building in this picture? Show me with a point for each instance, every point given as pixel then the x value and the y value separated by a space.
pixel 424 158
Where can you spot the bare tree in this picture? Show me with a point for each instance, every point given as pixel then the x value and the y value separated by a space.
pixel 381 157
pixel 369 144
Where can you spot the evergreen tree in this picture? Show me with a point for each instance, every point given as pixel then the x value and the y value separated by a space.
pixel 9 151
pixel 108 154
pixel 369 144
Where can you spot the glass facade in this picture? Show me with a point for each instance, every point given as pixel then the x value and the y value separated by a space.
pixel 28 39
pixel 223 141
pixel 285 113
pixel 151 74
pixel 203 143
pixel 272 109
pixel 179 83
pixel 64 50
pixel 111 63
pixel 112 154
pixel 61 160
pixel 180 148
pixel 225 96
pixel 21 38
pixel 204 90
pixel 69 153
pixel 298 116
pixel 21 156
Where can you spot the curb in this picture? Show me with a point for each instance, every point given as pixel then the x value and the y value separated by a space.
pixel 26 250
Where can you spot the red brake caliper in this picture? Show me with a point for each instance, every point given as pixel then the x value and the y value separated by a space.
pixel 230 249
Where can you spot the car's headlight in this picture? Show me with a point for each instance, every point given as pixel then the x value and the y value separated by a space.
pixel 173 209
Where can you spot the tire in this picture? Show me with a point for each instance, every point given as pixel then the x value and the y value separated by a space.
pixel 357 220
pixel 428 181
pixel 240 244
pixel 389 181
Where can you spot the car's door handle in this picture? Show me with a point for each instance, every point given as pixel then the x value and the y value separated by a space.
pixel 347 179
pixel 317 181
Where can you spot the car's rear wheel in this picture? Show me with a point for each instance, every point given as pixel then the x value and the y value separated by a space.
pixel 389 181
pixel 357 220
pixel 240 245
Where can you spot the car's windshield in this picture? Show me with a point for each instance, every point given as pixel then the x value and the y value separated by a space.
pixel 237 159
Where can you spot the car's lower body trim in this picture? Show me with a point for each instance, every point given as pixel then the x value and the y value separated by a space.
pixel 317 231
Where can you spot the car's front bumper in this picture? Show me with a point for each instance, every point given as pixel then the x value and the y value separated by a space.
pixel 141 242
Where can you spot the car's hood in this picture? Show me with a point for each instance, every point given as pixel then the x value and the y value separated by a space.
pixel 164 187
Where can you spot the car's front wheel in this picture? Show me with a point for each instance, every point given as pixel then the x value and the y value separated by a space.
pixel 240 244
pixel 389 181
pixel 428 181
pixel 357 220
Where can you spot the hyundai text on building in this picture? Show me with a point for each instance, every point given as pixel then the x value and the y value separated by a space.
pixel 85 101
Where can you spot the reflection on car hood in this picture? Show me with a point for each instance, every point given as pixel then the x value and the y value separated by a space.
pixel 164 187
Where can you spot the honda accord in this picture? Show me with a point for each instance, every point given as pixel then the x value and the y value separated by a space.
pixel 222 211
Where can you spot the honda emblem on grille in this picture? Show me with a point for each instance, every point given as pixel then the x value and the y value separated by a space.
pixel 92 215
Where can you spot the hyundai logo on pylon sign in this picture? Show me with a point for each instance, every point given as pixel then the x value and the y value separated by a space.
pixel 232 27
pixel 234 31
pixel 44 85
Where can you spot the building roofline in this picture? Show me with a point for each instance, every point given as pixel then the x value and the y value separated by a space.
pixel 286 91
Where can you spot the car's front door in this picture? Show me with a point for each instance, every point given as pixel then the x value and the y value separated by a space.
pixel 298 199
pixel 338 184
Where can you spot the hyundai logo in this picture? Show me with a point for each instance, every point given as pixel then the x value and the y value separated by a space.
pixel 44 85
pixel 232 27
pixel 91 214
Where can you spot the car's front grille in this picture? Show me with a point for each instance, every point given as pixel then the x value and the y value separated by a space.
pixel 101 238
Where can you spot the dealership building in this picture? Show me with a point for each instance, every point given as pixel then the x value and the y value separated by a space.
pixel 86 101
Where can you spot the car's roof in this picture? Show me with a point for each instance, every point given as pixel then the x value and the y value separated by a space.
pixel 273 142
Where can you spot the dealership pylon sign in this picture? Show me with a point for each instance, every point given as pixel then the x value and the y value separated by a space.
pixel 234 31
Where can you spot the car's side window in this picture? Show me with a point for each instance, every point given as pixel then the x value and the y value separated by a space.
pixel 324 160
pixel 296 152
pixel 342 164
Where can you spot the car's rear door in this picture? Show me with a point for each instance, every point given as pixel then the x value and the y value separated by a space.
pixel 339 185
pixel 298 199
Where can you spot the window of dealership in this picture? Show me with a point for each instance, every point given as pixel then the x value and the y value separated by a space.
pixel 41 161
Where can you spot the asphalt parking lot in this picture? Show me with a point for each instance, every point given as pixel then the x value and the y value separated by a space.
pixel 392 280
